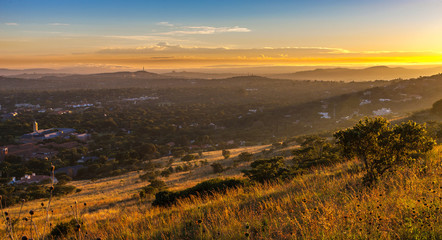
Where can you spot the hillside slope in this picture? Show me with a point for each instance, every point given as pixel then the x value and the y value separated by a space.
pixel 327 202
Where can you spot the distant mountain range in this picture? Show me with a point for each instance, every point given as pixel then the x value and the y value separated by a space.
pixel 366 74
pixel 322 74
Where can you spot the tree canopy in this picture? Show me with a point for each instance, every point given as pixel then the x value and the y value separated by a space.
pixel 382 147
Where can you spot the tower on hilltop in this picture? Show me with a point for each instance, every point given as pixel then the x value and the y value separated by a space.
pixel 35 125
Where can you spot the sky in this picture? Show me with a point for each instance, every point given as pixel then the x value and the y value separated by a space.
pixel 192 34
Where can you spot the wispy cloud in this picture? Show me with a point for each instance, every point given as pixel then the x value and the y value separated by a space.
pixel 11 24
pixel 198 30
pixel 132 37
pixel 59 24
pixel 167 24
pixel 180 51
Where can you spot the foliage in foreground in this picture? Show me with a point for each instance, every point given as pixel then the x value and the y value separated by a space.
pixel 382 148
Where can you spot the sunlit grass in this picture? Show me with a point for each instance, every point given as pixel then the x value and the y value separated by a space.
pixel 328 203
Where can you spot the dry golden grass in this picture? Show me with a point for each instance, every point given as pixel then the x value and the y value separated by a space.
pixel 328 203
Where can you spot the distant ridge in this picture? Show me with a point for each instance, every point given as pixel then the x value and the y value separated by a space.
pixel 366 74
pixel 321 74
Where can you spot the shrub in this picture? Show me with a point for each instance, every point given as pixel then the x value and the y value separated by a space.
pixel 264 170
pixel 245 157
pixel 226 153
pixel 217 168
pixel 154 187
pixel 188 157
pixel 62 229
pixel 167 198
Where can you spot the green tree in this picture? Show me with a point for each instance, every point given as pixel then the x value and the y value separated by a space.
pixel 264 170
pixel 381 147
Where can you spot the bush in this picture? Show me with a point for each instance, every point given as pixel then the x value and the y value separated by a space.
pixel 168 198
pixel 264 170
pixel 245 157
pixel 226 153
pixel 154 187
pixel 217 168
pixel 62 229
pixel 188 157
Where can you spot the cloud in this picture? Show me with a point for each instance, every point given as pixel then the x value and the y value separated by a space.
pixel 11 24
pixel 167 24
pixel 59 24
pixel 168 50
pixel 199 30
pixel 133 37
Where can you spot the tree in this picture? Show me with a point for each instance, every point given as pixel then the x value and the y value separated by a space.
pixel 245 157
pixel 314 151
pixel 217 167
pixel 381 147
pixel 264 170
pixel 188 157
pixel 226 153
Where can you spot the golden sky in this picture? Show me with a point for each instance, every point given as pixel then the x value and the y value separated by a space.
pixel 192 34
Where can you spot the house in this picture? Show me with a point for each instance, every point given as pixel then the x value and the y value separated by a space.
pixel 324 115
pixel 364 101
pixel 382 112
pixel 44 134
pixel 33 178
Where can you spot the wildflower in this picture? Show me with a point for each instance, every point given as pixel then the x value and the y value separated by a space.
pixel 6 213
pixel 42 204
pixel 31 212
pixel 247 234
pixel 24 238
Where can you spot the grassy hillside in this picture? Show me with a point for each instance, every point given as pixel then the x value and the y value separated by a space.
pixel 328 202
